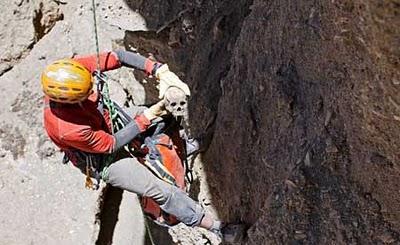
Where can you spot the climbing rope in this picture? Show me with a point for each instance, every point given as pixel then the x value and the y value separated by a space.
pixel 146 224
pixel 96 36
pixel 104 93
pixel 101 81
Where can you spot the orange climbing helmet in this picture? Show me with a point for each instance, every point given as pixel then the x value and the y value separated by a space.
pixel 66 81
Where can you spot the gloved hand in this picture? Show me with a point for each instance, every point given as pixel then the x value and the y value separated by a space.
pixel 168 79
pixel 155 111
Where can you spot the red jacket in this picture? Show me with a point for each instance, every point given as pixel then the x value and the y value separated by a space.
pixel 82 126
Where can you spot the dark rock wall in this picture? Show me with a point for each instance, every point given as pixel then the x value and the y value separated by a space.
pixel 298 103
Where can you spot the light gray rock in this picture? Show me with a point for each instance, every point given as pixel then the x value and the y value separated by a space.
pixel 41 198
pixel 24 23
pixel 130 228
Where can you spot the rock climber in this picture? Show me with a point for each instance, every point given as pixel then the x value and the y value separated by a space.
pixel 75 123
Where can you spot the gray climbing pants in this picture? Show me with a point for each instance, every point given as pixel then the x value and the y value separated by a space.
pixel 128 174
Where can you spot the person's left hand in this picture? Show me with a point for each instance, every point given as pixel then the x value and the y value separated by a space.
pixel 155 111
pixel 169 79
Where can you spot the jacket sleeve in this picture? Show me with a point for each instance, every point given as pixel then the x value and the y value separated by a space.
pixel 130 131
pixel 88 140
pixel 137 61
pixel 98 141
pixel 118 58
pixel 108 61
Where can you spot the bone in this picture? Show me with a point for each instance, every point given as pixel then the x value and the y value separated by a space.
pixel 176 101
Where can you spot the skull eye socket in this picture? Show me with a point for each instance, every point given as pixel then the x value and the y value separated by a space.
pixel 173 104
pixel 182 103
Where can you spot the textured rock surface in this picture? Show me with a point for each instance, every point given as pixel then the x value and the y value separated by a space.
pixel 300 104
pixel 24 23
pixel 41 198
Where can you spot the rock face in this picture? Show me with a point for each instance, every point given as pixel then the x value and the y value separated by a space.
pixel 23 24
pixel 41 198
pixel 298 105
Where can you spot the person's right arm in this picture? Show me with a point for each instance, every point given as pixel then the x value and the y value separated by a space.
pixel 115 59
pixel 99 141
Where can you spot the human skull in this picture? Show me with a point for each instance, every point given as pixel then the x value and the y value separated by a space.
pixel 187 26
pixel 175 101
